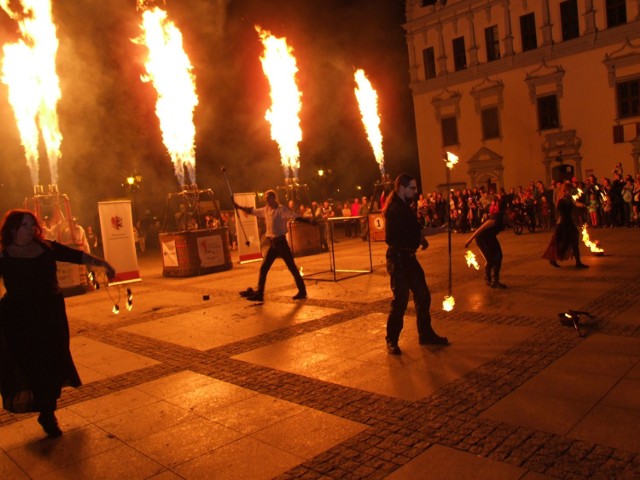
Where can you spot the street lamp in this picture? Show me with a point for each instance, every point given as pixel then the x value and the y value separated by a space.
pixel 133 184
pixel 324 178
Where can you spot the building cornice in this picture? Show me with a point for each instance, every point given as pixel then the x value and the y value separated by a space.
pixel 449 13
pixel 553 52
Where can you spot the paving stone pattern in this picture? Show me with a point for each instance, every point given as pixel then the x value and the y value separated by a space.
pixel 398 430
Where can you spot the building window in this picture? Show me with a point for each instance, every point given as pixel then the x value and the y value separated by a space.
pixel 569 19
pixel 548 112
pixel 616 12
pixel 490 123
pixel 618 134
pixel 492 42
pixel 459 54
pixel 429 59
pixel 629 98
pixel 528 32
pixel 449 131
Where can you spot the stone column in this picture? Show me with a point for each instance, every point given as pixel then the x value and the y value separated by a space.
pixel 589 17
pixel 473 46
pixel 413 63
pixel 442 58
pixel 547 34
pixel 508 37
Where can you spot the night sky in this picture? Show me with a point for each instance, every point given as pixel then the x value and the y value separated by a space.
pixel 107 114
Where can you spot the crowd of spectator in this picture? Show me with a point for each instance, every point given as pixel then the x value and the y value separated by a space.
pixel 611 202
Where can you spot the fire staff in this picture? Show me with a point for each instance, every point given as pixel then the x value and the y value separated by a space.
pixel 403 236
pixel 276 218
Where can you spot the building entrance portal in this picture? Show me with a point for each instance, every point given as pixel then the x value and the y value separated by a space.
pixel 485 169
pixel 562 173
pixel 562 159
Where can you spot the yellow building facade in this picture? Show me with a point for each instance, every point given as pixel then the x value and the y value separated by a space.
pixel 524 90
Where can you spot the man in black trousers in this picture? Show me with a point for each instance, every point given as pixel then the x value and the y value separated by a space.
pixel 404 235
pixel 276 219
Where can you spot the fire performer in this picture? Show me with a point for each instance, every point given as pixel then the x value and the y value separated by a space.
pixel 35 361
pixel 403 236
pixel 486 237
pixel 565 241
pixel 276 218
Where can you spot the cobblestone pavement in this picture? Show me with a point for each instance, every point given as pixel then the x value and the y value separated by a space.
pixel 398 430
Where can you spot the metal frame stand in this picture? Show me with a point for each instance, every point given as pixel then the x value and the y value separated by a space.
pixel 332 255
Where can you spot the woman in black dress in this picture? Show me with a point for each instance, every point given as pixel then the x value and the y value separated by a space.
pixel 487 241
pixel 35 361
pixel 565 241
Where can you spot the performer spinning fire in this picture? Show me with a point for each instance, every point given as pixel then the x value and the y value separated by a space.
pixel 565 241
pixel 35 361
pixel 487 241
pixel 404 235
pixel 276 217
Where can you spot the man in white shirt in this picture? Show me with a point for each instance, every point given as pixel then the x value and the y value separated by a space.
pixel 276 219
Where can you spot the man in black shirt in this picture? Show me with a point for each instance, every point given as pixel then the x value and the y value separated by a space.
pixel 404 235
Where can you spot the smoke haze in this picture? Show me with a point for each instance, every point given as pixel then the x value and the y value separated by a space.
pixel 109 125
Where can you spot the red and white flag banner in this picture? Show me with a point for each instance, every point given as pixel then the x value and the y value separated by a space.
pixel 116 225
pixel 247 229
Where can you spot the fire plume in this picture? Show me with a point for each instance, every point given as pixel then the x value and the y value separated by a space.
pixel 29 71
pixel 448 303
pixel 368 103
pixel 592 246
pixel 170 71
pixel 279 66
pixel 471 260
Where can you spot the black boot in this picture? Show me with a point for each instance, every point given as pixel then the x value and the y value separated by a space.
pixel 49 424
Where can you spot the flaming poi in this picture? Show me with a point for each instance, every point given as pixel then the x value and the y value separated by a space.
pixel 577 195
pixel 471 260
pixel 448 303
pixel 29 71
pixel 170 71
pixel 279 66
pixel 592 246
pixel 368 104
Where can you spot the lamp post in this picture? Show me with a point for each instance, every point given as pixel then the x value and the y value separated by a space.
pixel 450 160
pixel 133 184
pixel 323 179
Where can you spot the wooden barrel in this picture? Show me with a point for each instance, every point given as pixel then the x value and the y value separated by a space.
pixel 304 239
pixel 195 252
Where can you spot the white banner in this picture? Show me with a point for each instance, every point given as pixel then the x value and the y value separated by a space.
pixel 169 254
pixel 211 251
pixel 247 229
pixel 116 224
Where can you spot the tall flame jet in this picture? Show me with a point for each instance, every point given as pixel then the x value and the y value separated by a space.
pixel 29 71
pixel 169 70
pixel 368 103
pixel 279 66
